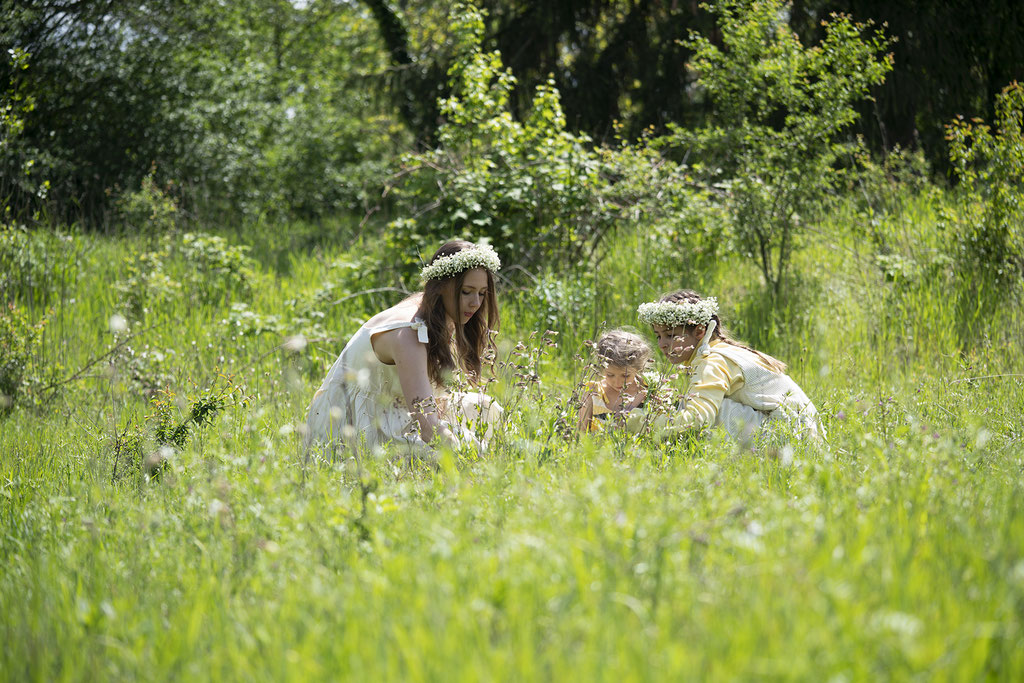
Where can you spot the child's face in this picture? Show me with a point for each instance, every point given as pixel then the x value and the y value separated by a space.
pixel 617 377
pixel 678 343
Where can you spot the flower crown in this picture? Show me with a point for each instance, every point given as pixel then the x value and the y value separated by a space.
pixel 478 256
pixel 671 314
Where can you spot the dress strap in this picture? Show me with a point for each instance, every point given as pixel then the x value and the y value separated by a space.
pixel 416 324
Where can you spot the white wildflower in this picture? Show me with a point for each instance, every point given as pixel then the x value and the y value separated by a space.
pixel 118 324
pixel 670 314
pixel 480 256
pixel 295 343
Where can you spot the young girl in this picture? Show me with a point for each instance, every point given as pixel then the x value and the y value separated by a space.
pixel 732 384
pixel 620 391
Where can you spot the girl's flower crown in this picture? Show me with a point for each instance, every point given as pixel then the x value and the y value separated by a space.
pixel 479 256
pixel 671 314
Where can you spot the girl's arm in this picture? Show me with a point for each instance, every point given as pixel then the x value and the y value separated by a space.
pixel 586 414
pixel 638 398
pixel 704 397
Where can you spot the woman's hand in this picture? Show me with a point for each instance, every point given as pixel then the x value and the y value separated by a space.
pixel 446 437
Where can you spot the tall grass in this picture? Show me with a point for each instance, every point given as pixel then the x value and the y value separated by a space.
pixel 894 552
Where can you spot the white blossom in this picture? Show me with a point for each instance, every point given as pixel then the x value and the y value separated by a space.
pixel 671 314
pixel 480 256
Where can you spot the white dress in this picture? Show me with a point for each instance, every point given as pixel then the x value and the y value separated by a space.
pixel 361 402
pixel 765 395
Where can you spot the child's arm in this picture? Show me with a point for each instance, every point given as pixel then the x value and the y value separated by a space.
pixel 714 380
pixel 586 414
pixel 637 399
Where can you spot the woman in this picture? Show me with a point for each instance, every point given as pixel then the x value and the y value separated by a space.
pixel 387 384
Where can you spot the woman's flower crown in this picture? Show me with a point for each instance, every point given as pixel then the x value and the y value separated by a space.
pixel 479 256
pixel 671 314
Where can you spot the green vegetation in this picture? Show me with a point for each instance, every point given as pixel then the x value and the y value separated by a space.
pixel 893 552
pixel 167 315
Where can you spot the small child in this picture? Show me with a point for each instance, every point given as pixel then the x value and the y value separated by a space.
pixel 621 391
pixel 732 385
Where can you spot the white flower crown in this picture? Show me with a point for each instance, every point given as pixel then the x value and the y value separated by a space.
pixel 479 256
pixel 670 314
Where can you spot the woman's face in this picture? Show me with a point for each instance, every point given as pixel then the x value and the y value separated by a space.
pixel 472 295
pixel 678 343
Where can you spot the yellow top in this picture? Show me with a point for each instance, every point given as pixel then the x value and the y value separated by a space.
pixel 601 411
pixel 714 378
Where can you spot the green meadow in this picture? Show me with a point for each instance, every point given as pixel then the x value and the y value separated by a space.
pixel 894 551
pixel 200 202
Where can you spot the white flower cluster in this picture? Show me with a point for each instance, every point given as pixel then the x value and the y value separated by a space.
pixel 670 314
pixel 480 256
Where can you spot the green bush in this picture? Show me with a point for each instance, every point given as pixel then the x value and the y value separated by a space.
pixel 23 166
pixel 989 164
pixel 531 187
pixel 22 373
pixel 150 209
pixel 204 268
pixel 215 269
pixel 145 283
pixel 35 265
pixel 781 112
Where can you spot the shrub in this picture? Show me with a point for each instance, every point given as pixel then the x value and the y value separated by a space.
pixel 990 167
pixel 216 270
pixel 781 112
pixel 22 373
pixel 204 268
pixel 25 272
pixel 531 187
pixel 22 166
pixel 145 283
pixel 150 209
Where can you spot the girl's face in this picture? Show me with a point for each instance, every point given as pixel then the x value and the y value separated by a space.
pixel 678 343
pixel 617 377
pixel 472 295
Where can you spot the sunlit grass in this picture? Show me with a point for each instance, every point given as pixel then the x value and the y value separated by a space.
pixel 895 552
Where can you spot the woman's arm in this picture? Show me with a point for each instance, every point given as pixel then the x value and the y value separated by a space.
pixel 410 356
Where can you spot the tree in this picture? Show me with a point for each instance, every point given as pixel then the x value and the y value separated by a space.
pixel 615 62
pixel 246 107
pixel 949 58
pixel 782 114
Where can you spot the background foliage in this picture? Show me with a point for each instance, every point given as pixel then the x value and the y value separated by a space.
pixel 202 201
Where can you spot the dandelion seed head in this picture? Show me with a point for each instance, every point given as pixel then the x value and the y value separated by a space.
pixel 118 324
pixel 295 343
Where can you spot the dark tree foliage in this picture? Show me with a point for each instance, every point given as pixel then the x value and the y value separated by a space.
pixel 622 61
pixel 619 64
pixel 613 61
pixel 247 106
pixel 951 58
pixel 415 85
pixel 257 102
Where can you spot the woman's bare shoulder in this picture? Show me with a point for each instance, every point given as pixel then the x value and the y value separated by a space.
pixel 387 344
pixel 403 311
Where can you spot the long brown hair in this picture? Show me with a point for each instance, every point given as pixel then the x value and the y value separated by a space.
pixel 689 296
pixel 472 341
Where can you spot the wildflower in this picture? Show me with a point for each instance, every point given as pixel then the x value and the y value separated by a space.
pixel 671 314
pixel 480 256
